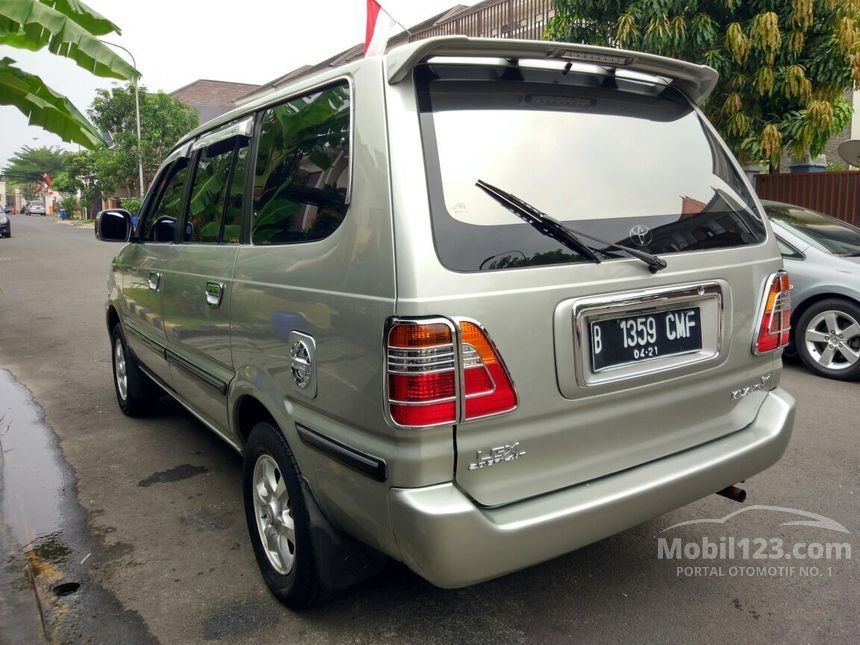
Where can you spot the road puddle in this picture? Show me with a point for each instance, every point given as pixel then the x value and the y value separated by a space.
pixel 34 494
pixel 40 511
pixel 33 487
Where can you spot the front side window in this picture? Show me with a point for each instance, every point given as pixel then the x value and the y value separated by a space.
pixel 160 223
pixel 616 157
pixel 302 169
pixel 209 192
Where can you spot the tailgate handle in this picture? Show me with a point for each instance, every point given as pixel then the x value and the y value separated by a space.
pixel 214 291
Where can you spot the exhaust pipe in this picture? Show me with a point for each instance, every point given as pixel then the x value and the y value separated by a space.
pixel 733 492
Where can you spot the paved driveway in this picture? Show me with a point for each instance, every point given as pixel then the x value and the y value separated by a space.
pixel 146 514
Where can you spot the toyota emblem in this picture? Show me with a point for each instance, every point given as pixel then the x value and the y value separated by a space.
pixel 641 234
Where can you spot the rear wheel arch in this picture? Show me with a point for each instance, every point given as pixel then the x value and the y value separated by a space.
pixel 112 318
pixel 797 311
pixel 248 411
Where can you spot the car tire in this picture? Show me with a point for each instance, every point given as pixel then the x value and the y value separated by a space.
pixel 827 339
pixel 136 394
pixel 274 501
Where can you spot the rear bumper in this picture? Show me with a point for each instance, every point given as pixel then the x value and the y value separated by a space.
pixel 444 537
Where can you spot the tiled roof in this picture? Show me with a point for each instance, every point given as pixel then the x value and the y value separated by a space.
pixel 351 54
pixel 208 93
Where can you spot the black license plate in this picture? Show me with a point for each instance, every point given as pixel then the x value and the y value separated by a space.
pixel 618 341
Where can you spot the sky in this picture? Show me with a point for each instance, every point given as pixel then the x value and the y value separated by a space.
pixel 176 42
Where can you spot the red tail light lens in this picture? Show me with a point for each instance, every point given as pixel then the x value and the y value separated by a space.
pixel 487 388
pixel 774 322
pixel 422 371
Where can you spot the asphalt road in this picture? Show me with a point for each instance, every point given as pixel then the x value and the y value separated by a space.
pixel 146 514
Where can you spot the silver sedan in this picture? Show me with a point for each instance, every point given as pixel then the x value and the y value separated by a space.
pixel 822 256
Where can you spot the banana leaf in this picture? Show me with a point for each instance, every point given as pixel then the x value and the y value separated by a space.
pixel 86 17
pixel 44 107
pixel 29 24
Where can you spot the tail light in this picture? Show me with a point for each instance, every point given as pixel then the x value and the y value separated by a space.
pixel 439 373
pixel 774 320
pixel 487 387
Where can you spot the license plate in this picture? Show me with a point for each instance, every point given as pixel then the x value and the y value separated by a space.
pixel 619 341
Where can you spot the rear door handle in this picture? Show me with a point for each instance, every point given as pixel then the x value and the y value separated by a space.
pixel 154 280
pixel 214 291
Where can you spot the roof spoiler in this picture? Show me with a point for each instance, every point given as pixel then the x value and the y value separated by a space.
pixel 696 81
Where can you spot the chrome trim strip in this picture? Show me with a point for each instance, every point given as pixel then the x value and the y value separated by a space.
pixel 362 462
pixel 190 368
pixel 629 303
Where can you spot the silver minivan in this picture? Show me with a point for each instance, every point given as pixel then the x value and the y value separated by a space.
pixel 469 305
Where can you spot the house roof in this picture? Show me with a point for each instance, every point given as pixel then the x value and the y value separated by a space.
pixel 207 93
pixel 348 55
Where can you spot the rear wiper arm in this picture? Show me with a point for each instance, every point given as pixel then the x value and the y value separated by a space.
pixel 543 223
pixel 551 227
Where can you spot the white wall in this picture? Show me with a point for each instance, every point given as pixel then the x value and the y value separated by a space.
pixel 855 123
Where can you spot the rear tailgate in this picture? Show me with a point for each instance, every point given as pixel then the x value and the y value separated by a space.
pixel 567 431
pixel 625 161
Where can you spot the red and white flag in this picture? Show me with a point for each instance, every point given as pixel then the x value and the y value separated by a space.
pixel 379 25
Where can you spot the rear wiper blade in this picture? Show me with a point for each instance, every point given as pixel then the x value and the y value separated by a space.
pixel 543 223
pixel 571 238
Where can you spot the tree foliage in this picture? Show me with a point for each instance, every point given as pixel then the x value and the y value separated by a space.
pixel 67 28
pixel 784 65
pixel 163 120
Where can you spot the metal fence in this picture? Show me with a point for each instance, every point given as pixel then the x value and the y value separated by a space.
pixel 834 193
pixel 507 19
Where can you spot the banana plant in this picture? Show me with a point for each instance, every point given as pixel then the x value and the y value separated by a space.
pixel 67 28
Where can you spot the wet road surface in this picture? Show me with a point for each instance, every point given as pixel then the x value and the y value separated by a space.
pixel 146 514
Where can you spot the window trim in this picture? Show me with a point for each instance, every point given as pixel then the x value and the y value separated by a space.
pixel 155 195
pixel 322 86
pixel 208 141
pixel 798 255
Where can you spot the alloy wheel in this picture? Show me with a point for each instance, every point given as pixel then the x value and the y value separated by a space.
pixel 832 339
pixel 275 524
pixel 120 372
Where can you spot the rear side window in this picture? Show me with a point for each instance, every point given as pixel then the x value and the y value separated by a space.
pixel 302 168
pixel 616 157
pixel 160 224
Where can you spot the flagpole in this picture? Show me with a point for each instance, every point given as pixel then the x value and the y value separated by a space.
pixel 391 15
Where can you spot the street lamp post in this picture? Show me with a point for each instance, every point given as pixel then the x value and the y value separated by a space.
pixel 136 115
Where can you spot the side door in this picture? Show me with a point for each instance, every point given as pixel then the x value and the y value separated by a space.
pixel 197 294
pixel 145 265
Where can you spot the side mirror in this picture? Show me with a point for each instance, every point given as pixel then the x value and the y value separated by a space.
pixel 113 225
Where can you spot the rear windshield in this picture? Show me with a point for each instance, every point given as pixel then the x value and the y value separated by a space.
pixel 825 233
pixel 624 160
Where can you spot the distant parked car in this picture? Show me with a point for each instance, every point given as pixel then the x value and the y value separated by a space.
pixel 35 208
pixel 5 224
pixel 822 256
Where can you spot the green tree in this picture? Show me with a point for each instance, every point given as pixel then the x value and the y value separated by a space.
pixel 80 173
pixel 784 65
pixel 163 120
pixel 29 165
pixel 67 28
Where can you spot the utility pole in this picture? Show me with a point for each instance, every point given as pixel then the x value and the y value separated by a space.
pixel 136 115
